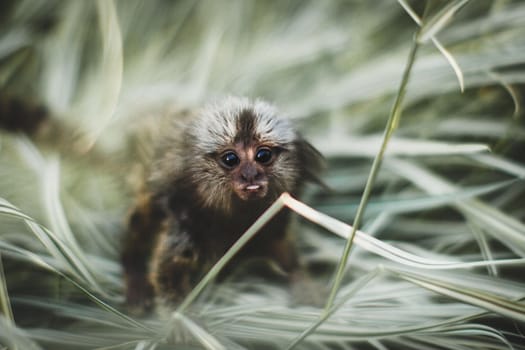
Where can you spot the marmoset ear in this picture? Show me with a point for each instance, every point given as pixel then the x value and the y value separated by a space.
pixel 311 161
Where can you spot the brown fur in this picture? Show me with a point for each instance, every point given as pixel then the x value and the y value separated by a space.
pixel 20 115
pixel 195 207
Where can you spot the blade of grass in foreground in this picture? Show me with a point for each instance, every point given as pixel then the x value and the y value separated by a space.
pixel 110 71
pixel 13 338
pixel 491 302
pixel 448 324
pixel 438 21
pixel 391 126
pixel 5 304
pixel 38 261
pixel 418 203
pixel 498 224
pixel 383 249
pixel 55 245
pixel 206 339
pixel 60 239
pixel 431 34
pixel 357 286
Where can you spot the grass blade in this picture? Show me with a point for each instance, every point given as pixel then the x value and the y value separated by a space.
pixel 383 249
pixel 391 125
pixel 110 72
pixel 451 60
pixel 501 226
pixel 494 303
pixel 37 260
pixel 436 23
pixel 5 304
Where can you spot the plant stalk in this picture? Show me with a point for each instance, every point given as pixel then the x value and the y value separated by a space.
pixel 392 123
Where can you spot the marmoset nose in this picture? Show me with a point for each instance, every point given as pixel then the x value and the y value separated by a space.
pixel 249 173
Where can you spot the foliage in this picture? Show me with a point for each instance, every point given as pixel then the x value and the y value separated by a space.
pixel 435 192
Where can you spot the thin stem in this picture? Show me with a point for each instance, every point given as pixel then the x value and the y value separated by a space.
pixel 5 305
pixel 391 125
pixel 358 285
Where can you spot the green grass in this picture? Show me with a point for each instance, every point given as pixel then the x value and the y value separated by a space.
pixel 425 156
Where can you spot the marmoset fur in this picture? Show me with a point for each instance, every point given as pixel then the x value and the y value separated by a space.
pixel 211 180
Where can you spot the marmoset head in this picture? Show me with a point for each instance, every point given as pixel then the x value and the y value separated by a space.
pixel 239 152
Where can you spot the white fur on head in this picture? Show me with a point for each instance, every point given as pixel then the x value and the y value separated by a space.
pixel 216 128
pixel 216 125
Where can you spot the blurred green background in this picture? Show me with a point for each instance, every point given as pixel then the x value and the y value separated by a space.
pixel 450 190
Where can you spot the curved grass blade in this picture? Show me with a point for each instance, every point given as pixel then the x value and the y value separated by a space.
pixel 204 338
pixel 499 225
pixel 418 203
pixel 60 225
pixel 369 146
pixel 139 345
pixel 14 338
pixel 453 63
pixel 7 209
pixel 37 260
pixel 480 237
pixel 5 304
pixel 437 22
pixel 451 60
pixel 426 330
pixel 383 249
pixel 60 240
pixel 356 286
pixel 110 70
pixel 471 330
pixel 390 127
pixel 501 164
pixel 515 95
pixel 487 301
pixel 57 248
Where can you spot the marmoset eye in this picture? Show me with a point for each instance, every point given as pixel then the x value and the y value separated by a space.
pixel 264 155
pixel 230 159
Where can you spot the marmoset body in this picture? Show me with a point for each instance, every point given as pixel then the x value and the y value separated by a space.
pixel 211 179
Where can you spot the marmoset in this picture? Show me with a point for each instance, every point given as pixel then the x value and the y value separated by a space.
pixel 211 180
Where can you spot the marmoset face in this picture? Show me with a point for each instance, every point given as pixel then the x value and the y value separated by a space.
pixel 242 152
pixel 249 167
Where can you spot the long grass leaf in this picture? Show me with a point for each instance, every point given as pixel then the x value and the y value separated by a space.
pixel 14 338
pixel 368 146
pixel 391 125
pixel 383 249
pixel 451 60
pixel 37 260
pixel 356 286
pixel 60 240
pixel 60 225
pixel 5 304
pixel 204 338
pixel 513 93
pixel 400 203
pixel 501 164
pixel 453 63
pixel 111 69
pixel 494 303
pixel 498 224
pixel 438 21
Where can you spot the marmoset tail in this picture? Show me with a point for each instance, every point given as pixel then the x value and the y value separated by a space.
pixel 211 180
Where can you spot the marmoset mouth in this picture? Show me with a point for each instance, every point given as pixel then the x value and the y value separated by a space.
pixel 252 188
pixel 252 191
